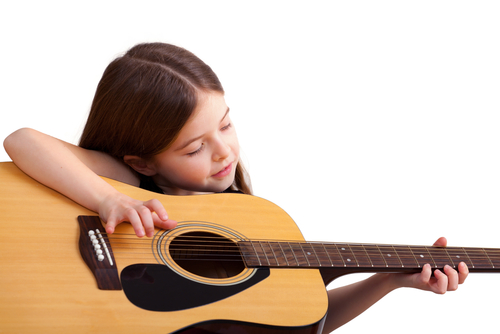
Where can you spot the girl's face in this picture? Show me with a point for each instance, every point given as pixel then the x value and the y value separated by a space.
pixel 204 156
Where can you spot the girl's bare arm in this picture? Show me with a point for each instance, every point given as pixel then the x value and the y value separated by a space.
pixel 73 171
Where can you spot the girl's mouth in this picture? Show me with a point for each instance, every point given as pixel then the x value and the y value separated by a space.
pixel 225 171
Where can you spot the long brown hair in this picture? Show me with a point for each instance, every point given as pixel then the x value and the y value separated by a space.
pixel 143 100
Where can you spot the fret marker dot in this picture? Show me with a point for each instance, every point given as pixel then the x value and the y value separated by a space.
pixel 421 255
pixel 458 256
pixel 343 248
pixel 389 255
pixel 348 260
pixel 308 253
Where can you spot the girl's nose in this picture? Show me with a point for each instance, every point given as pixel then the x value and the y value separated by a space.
pixel 221 150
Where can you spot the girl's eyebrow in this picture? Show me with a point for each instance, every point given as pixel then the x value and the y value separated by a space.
pixel 195 139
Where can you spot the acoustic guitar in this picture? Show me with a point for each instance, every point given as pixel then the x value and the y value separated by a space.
pixel 234 264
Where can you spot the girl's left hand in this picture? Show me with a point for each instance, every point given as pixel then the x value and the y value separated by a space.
pixel 441 281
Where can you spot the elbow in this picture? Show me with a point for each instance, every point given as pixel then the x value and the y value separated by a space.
pixel 13 143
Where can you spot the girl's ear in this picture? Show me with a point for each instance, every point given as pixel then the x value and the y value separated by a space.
pixel 140 165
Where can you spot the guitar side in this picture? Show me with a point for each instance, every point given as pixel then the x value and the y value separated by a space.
pixel 45 285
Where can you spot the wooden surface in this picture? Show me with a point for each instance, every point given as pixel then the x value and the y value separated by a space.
pixel 45 285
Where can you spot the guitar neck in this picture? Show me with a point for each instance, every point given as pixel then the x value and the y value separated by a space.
pixel 365 258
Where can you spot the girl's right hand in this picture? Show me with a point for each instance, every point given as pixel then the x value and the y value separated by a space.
pixel 143 216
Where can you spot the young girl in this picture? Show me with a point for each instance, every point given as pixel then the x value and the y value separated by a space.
pixel 159 121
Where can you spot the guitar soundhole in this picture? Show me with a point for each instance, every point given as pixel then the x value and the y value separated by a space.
pixel 207 254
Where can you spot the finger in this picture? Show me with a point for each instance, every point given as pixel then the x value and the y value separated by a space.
pixel 111 223
pixel 155 206
pixel 160 216
pixel 422 279
pixel 110 228
pixel 146 221
pixel 452 278
pixel 441 284
pixel 135 221
pixel 425 276
pixel 441 242
pixel 463 272
pixel 164 224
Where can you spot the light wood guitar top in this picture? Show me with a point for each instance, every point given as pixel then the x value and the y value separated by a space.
pixel 45 286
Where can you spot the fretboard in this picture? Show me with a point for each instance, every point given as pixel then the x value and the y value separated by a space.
pixel 281 254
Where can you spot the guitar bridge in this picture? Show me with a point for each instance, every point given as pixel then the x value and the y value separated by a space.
pixel 96 252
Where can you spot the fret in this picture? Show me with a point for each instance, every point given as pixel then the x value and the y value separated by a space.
pixel 423 256
pixel 297 263
pixel 249 254
pixel 494 256
pixel 416 260
pixel 382 256
pixel 390 256
pixel 406 257
pixel 398 256
pixel 477 256
pixel 291 260
pixel 368 256
pixel 451 263
pixel 467 254
pixel 430 255
pixel 305 255
pixel 258 252
pixel 323 256
pixel 458 255
pixel 270 255
pixel 361 256
pixel 376 258
pixel 334 255
pixel 486 254
pixel 347 256
pixel 311 255
pixel 279 254
pixel 353 255
pixel 329 257
pixel 299 255
pixel 439 256
pixel 261 250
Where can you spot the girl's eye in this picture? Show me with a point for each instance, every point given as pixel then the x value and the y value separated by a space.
pixel 192 154
pixel 226 127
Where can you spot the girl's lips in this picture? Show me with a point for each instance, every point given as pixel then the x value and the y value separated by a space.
pixel 225 171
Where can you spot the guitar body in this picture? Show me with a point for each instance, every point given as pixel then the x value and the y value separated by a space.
pixel 45 285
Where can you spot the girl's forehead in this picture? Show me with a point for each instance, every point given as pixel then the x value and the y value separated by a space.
pixel 210 111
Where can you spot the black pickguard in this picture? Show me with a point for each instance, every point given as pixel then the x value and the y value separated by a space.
pixel 156 287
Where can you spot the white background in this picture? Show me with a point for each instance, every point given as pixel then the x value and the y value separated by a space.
pixel 367 121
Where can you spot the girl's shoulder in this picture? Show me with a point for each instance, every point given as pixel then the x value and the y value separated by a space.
pixel 105 165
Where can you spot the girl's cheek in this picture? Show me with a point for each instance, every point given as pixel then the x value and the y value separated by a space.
pixel 197 168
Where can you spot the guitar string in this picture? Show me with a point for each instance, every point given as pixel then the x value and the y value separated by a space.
pixel 281 261
pixel 364 248
pixel 225 239
pixel 131 239
pixel 321 260
pixel 131 236
pixel 235 249
pixel 202 249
